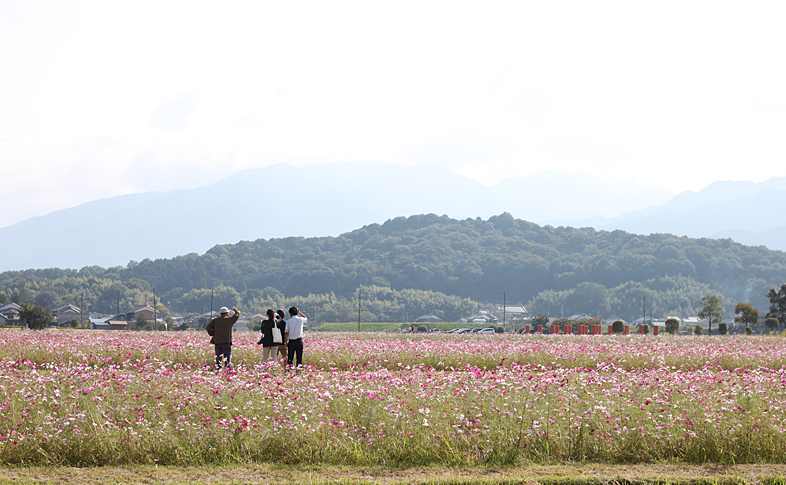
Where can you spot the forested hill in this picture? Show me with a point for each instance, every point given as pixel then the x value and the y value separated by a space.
pixel 555 269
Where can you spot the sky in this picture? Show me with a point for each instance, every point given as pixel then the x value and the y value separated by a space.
pixel 99 99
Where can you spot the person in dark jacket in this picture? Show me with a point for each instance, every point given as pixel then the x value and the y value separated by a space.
pixel 281 322
pixel 270 348
pixel 221 330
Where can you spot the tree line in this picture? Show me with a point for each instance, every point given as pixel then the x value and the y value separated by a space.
pixel 557 270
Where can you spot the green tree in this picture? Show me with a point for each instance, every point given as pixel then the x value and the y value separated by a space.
pixel 711 309
pixel 587 297
pixel 697 330
pixel 541 319
pixel 748 314
pixel 141 322
pixel 618 327
pixel 723 328
pixel 672 325
pixel 772 323
pixel 778 303
pixel 47 299
pixel 36 317
pixel 561 322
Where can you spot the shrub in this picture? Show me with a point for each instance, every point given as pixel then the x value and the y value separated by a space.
pixel 697 330
pixel 723 328
pixel 498 329
pixel 646 329
pixel 672 325
pixel 36 317
pixel 771 323
pixel 748 330
pixel 422 329
pixel 618 327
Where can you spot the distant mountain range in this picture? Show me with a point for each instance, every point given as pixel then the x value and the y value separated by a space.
pixel 746 212
pixel 282 200
pixel 331 199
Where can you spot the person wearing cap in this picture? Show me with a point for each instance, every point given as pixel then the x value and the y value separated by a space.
pixel 293 335
pixel 221 330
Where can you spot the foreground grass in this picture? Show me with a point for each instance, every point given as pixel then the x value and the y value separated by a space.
pixel 565 474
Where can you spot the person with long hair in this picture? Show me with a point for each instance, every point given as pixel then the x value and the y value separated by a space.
pixel 281 322
pixel 269 347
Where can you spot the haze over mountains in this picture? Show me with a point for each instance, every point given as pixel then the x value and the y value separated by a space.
pixel 743 211
pixel 330 199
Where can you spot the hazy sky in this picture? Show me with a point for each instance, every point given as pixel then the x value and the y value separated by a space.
pixel 104 98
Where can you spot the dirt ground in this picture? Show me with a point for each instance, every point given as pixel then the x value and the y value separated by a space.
pixel 264 474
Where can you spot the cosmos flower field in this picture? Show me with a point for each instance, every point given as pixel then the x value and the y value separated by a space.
pixel 114 398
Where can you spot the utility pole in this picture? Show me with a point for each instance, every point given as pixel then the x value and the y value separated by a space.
pixel 504 308
pixel 118 304
pixel 211 302
pixel 360 294
pixel 155 314
pixel 82 311
pixel 644 316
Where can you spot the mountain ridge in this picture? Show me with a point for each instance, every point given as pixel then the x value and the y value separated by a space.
pixel 551 269
pixel 276 201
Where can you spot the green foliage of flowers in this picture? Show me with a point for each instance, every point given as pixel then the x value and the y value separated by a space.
pixel 116 398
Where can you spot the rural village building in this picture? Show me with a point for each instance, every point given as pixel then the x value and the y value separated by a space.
pixel 9 314
pixel 65 313
pixel 144 311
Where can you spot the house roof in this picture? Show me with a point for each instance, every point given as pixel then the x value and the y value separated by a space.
pixel 485 316
pixel 579 316
pixel 515 309
pixel 67 308
pixel 140 308
pixel 428 318
pixel 10 306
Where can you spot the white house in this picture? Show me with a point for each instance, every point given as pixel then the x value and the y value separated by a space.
pixel 65 313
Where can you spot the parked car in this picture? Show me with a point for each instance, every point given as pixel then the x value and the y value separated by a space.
pixel 476 330
pixel 434 330
pixel 486 331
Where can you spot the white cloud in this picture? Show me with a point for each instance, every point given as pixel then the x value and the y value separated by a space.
pixel 96 94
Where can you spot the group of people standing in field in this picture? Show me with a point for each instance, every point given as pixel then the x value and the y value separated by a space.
pixel 281 336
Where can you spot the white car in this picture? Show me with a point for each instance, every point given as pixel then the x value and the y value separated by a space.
pixel 486 331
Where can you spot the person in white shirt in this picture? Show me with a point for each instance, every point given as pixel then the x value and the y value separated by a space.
pixel 293 335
